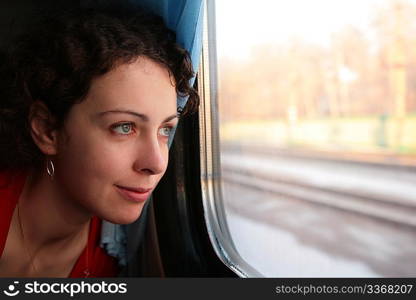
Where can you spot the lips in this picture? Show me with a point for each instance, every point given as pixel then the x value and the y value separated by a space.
pixel 134 194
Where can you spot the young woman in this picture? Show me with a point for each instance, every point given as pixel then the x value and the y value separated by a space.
pixel 87 104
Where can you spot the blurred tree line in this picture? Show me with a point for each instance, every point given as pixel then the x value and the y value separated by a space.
pixel 362 72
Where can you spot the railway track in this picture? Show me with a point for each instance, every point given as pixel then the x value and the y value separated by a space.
pixel 384 204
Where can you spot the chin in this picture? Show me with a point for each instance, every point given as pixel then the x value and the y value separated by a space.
pixel 124 218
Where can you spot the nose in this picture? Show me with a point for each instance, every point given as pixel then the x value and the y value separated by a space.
pixel 152 158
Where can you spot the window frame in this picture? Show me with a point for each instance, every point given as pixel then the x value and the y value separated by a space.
pixel 211 186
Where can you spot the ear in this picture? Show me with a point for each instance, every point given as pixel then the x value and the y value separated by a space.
pixel 42 130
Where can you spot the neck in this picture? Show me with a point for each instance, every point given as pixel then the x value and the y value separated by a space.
pixel 50 218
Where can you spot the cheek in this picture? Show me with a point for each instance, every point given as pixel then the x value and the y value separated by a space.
pixel 92 158
pixel 87 170
pixel 89 164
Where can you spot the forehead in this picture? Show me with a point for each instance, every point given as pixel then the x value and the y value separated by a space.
pixel 142 85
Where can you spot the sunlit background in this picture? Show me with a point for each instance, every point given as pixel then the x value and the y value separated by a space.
pixel 317 106
pixel 323 74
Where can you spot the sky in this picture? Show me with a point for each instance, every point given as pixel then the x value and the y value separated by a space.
pixel 240 24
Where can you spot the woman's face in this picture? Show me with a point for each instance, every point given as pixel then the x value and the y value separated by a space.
pixel 114 147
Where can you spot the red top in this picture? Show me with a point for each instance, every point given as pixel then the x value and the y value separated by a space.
pixel 100 263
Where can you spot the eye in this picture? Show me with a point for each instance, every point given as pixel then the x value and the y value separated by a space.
pixel 165 131
pixel 123 128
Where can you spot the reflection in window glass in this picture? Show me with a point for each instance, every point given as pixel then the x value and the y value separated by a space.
pixel 317 104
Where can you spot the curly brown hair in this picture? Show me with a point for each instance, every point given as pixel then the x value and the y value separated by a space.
pixel 56 61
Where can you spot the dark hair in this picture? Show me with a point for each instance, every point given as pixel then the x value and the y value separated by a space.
pixel 56 61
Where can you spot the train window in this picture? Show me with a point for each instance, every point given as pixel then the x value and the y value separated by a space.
pixel 308 136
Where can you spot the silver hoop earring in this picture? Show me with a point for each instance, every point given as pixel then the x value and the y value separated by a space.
pixel 50 168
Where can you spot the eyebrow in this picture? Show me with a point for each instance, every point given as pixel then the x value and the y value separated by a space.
pixel 143 117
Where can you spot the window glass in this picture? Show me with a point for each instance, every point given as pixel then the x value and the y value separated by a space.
pixel 317 112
